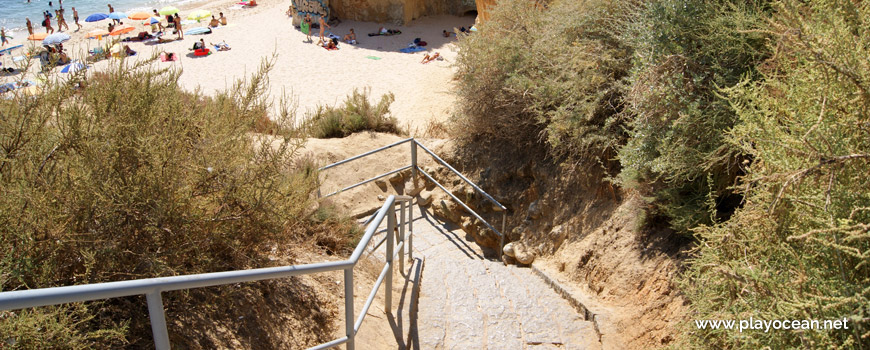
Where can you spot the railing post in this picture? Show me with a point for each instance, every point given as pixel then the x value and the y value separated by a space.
pixel 501 238
pixel 348 307
pixel 391 232
pixel 158 320
pixel 414 161
pixel 402 236
pixel 411 229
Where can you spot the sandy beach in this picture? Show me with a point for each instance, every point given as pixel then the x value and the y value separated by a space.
pixel 305 71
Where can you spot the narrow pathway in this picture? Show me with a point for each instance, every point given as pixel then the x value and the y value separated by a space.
pixel 469 301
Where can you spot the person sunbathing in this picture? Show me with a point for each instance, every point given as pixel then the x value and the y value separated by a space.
pixel 214 22
pixel 427 58
pixel 128 51
pixel 252 3
pixel 446 33
pixel 222 46
pixel 350 38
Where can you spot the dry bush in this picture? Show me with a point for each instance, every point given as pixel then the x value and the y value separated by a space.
pixel 533 77
pixel 357 114
pixel 123 175
pixel 800 247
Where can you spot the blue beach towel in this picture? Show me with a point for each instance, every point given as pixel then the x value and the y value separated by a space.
pixel 412 49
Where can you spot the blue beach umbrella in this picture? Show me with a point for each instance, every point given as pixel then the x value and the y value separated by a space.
pixel 152 20
pixel 117 15
pixel 73 67
pixel 96 17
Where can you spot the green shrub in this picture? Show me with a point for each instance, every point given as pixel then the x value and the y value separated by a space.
pixel 123 176
pixel 685 50
pixel 357 114
pixel 800 246
pixel 531 76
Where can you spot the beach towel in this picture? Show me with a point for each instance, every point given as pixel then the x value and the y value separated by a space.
pixel 412 49
pixel 373 58
pixel 305 28
pixel 388 33
pixel 164 58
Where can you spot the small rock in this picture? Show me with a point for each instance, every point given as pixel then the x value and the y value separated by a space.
pixel 413 191
pixel 508 250
pixel 523 255
pixel 535 210
pixel 381 197
pixel 425 198
pixel 397 178
pixel 381 184
pixel 558 233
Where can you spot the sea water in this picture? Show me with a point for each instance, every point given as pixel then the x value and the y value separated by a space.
pixel 14 12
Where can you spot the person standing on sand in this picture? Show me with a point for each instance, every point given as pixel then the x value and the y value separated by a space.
pixel 178 27
pixel 61 21
pixel 159 24
pixel 47 23
pixel 308 21
pixel 3 37
pixel 29 26
pixel 323 27
pixel 76 18
pixel 112 9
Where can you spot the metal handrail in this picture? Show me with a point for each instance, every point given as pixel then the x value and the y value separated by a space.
pixel 415 168
pixel 153 287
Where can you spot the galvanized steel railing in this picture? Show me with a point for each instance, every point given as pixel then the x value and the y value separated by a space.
pixel 415 169
pixel 153 287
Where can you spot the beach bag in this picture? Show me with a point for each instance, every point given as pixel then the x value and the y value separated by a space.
pixel 305 28
pixel 43 23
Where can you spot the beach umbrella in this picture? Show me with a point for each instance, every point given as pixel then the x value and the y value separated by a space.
pixel 99 33
pixel 117 15
pixel 139 16
pixel 73 67
pixel 199 14
pixel 55 39
pixel 96 17
pixel 37 36
pixel 168 10
pixel 152 20
pixel 122 30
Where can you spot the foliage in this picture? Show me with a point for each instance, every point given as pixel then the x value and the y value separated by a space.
pixel 357 114
pixel 800 246
pixel 122 175
pixel 684 51
pixel 533 74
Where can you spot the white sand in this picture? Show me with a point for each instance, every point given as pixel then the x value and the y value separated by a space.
pixel 311 74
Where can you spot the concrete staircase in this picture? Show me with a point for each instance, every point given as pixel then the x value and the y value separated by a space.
pixel 470 300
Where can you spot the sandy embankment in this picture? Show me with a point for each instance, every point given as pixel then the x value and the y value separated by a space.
pixel 310 73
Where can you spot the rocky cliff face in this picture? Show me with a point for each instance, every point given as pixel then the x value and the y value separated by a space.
pixel 397 11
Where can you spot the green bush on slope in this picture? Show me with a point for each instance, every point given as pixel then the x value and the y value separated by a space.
pixel 531 75
pixel 800 247
pixel 357 114
pixel 125 176
pixel 684 51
